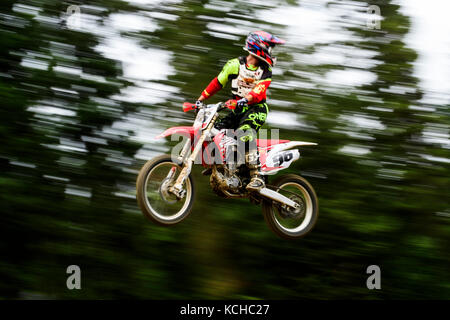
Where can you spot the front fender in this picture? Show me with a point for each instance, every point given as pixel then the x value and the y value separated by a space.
pixel 184 131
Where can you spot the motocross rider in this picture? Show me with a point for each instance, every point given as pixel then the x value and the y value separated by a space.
pixel 250 77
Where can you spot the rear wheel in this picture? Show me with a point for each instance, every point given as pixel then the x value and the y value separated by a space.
pixel 153 195
pixel 287 222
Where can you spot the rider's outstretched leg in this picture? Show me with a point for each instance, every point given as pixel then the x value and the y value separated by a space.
pixel 251 120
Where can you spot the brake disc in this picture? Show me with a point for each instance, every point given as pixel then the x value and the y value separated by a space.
pixel 289 212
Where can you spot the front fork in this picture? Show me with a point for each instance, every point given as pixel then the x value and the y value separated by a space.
pixel 177 188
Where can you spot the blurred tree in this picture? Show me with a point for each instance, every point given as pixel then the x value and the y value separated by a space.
pixel 70 156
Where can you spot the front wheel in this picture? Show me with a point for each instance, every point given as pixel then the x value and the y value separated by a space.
pixel 157 203
pixel 287 222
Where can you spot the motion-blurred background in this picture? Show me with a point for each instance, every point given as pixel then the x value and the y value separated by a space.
pixel 83 94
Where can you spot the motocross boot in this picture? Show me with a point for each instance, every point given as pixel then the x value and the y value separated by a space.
pixel 257 181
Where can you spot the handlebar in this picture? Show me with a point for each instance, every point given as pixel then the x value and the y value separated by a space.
pixel 191 106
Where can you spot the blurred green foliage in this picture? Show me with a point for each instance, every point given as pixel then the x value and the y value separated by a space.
pixel 71 149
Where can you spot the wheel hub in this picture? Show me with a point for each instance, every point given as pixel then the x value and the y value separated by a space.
pixel 297 212
pixel 165 194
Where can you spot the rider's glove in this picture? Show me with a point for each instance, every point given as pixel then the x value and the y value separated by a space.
pixel 241 103
pixel 231 104
pixel 198 103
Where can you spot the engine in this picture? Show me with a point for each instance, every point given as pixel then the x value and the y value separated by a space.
pixel 225 184
pixel 226 180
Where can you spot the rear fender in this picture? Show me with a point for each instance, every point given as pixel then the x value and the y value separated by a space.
pixel 281 157
pixel 289 145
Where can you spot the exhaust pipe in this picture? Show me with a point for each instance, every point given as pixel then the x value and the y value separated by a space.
pixel 269 193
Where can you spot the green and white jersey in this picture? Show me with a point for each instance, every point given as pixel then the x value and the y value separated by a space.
pixel 243 77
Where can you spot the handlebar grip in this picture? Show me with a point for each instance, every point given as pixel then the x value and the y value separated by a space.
pixel 189 106
pixel 230 105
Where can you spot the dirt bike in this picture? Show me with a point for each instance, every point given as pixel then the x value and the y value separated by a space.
pixel 165 186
